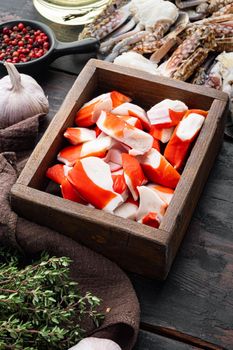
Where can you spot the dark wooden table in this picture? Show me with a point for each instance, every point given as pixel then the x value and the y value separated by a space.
pixel 193 309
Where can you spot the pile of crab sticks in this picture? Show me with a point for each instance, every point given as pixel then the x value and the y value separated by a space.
pixel 115 162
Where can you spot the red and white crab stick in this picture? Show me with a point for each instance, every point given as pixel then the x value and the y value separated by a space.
pixel 165 193
pixel 79 135
pixel 132 121
pixel 92 178
pixel 151 208
pixel 158 170
pixel 167 113
pixel 128 210
pixel 69 192
pixel 133 174
pixel 119 184
pixel 183 136
pixel 98 148
pixel 138 140
pixel 130 109
pixel 164 116
pixel 114 158
pixel 58 173
pixel 90 111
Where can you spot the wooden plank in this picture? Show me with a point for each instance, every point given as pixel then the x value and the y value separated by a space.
pixel 150 341
pixel 197 297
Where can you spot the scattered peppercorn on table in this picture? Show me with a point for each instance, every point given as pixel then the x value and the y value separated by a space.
pixel 191 308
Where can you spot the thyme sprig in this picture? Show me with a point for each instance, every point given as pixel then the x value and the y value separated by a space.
pixel 40 307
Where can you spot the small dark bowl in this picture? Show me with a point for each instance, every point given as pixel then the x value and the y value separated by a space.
pixel 56 49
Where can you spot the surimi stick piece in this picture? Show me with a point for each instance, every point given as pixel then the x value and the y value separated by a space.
pixel 161 134
pixel 158 170
pixel 167 113
pixel 151 208
pixel 118 98
pixel 69 192
pixel 91 177
pixel 156 145
pixel 130 109
pixel 57 173
pixel 132 121
pixel 114 158
pixel 90 111
pixel 138 140
pixel 185 133
pixel 79 135
pixel 133 174
pixel 165 193
pixel 119 184
pixel 97 148
pixel 128 209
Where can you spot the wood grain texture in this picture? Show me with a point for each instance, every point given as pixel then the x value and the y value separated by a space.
pixel 150 341
pixel 197 296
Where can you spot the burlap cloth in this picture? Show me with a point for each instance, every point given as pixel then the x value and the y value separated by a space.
pixel 93 272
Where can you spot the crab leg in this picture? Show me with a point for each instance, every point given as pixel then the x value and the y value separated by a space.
pixel 189 55
pixel 138 140
pixel 188 3
pixel 111 18
pixel 133 174
pixel 151 208
pixel 97 148
pixel 91 177
pixel 171 38
pixel 130 109
pixel 125 45
pixel 158 170
pixel 107 45
pixel 183 136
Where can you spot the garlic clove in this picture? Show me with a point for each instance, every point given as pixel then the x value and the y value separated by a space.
pixel 96 344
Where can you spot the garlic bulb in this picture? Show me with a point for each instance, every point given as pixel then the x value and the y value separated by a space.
pixel 96 344
pixel 21 97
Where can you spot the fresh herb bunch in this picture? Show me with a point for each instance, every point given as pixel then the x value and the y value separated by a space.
pixel 40 307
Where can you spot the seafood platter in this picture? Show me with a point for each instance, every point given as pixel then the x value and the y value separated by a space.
pixel 123 163
pixel 188 40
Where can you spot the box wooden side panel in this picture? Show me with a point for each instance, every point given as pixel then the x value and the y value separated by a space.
pixel 193 179
pixel 103 232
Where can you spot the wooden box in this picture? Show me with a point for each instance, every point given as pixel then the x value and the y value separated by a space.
pixel 133 246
